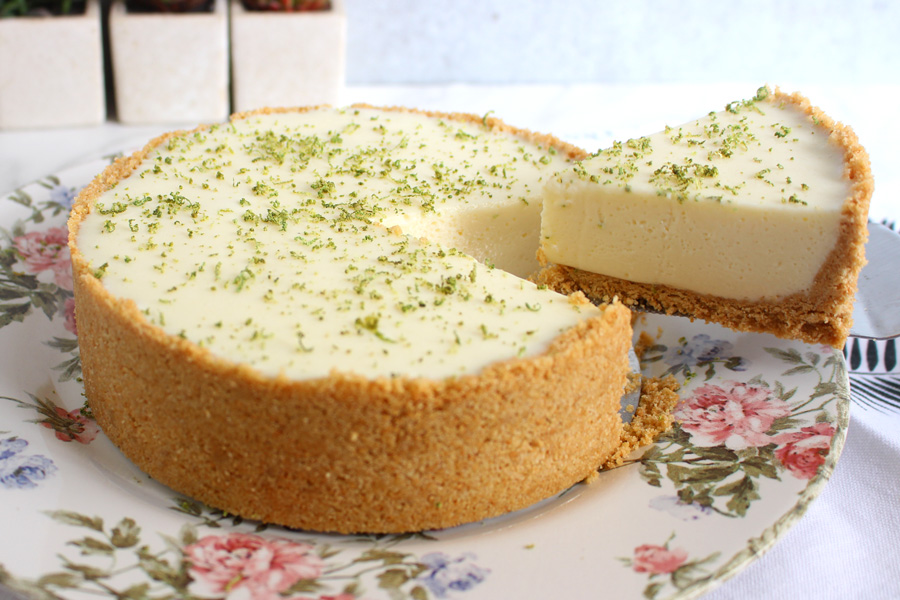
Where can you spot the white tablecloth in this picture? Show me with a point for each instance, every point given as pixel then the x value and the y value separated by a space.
pixel 848 543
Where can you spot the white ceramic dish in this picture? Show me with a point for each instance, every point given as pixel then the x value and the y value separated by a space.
pixel 763 422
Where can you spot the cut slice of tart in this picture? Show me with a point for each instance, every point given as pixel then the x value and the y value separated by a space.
pixel 753 217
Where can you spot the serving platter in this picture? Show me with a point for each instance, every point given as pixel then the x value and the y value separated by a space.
pixel 761 425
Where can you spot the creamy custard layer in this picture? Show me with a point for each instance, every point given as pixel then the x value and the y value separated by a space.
pixel 290 242
pixel 743 204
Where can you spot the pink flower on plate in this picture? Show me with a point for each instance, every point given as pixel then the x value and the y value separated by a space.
pixel 243 566
pixel 72 426
pixel 804 451
pixel 47 250
pixel 658 560
pixel 736 414
pixel 69 313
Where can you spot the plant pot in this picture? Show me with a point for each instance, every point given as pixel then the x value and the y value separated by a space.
pixel 287 59
pixel 51 70
pixel 170 67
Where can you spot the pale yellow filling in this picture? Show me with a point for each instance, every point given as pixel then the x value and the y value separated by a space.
pixel 743 204
pixel 291 243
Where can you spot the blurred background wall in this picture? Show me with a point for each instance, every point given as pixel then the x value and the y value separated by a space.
pixel 623 41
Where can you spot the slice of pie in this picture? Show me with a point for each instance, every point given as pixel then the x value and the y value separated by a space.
pixel 753 217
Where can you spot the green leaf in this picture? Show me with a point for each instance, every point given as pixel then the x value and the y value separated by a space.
pixel 126 534
pixel 676 455
pixel 709 559
pixel 692 572
pixel 20 197
pixel 757 380
pixel 766 453
pixel 188 534
pixel 650 474
pixel 652 590
pixel 784 395
pixel 63 344
pixel 60 580
pixel 18 229
pixel 327 551
pixel 824 417
pixel 717 453
pixel 759 467
pixel 89 572
pixel 69 369
pixel 824 388
pixel 157 568
pixel 77 519
pixel 733 362
pixel 697 494
pixel 681 474
pixel 733 487
pixel 23 280
pixel 385 556
pixel 392 579
pixel 10 313
pixel 684 575
pixel 798 370
pixel 303 586
pixel 45 301
pixel 11 293
pixel 782 423
pixel 790 355
pixel 743 492
pixel 189 507
pixel 676 435
pixel 8 255
pixel 651 453
pixel 91 545
pixel 135 592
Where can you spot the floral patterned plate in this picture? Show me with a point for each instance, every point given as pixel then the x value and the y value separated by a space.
pixel 762 422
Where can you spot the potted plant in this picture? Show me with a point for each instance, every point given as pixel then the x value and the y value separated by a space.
pixel 52 63
pixel 169 60
pixel 287 52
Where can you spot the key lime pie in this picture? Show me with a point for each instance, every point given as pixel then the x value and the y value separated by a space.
pixel 321 317
pixel 318 318
pixel 753 217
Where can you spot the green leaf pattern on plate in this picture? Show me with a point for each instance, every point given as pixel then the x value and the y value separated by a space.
pixel 730 435
pixel 206 560
pixel 35 268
